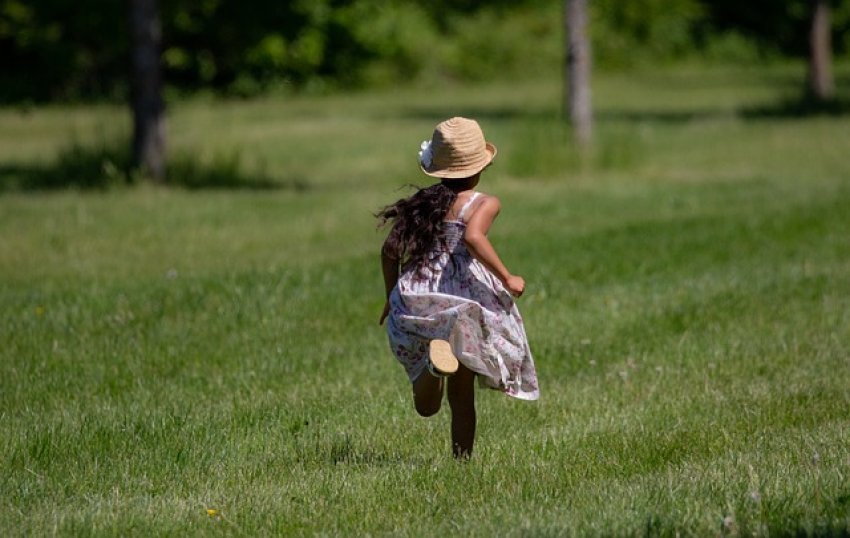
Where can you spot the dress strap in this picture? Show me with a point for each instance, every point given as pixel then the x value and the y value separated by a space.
pixel 466 206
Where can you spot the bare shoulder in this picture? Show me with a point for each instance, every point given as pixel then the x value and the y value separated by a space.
pixel 486 209
pixel 489 202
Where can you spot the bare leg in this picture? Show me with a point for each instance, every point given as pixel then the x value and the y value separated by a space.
pixel 461 392
pixel 427 394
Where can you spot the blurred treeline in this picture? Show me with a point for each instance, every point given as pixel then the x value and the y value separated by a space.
pixel 79 49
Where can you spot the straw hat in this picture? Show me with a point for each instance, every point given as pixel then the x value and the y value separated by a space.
pixel 457 150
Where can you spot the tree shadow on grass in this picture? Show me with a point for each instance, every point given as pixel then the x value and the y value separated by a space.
pixel 799 107
pixel 786 108
pixel 796 106
pixel 74 167
pixel 104 167
pixel 670 117
pixel 225 171
pixel 479 112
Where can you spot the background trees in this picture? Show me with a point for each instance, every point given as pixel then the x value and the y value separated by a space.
pixel 820 83
pixel 69 50
pixel 813 29
pixel 577 99
pixel 146 89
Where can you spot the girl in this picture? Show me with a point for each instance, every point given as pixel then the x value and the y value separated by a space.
pixel 450 299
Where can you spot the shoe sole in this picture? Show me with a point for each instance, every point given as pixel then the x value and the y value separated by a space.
pixel 442 358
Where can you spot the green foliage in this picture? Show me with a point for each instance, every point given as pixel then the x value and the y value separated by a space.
pixel 64 50
pixel 777 28
pixel 639 30
pixel 732 47
pixel 397 38
pixel 529 44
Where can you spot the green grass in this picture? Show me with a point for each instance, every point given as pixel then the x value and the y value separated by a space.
pixel 167 351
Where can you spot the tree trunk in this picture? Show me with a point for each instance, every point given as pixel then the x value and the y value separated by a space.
pixel 146 89
pixel 577 70
pixel 821 85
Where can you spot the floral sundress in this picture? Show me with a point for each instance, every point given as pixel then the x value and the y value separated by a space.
pixel 455 298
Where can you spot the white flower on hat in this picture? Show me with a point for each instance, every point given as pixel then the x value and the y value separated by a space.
pixel 425 153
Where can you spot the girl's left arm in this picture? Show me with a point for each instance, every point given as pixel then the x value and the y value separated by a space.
pixel 389 267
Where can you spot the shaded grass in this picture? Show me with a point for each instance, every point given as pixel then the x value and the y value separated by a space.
pixel 75 167
pixel 110 166
pixel 166 352
pixel 806 106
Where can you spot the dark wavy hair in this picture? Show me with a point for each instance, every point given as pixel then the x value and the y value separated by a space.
pixel 417 223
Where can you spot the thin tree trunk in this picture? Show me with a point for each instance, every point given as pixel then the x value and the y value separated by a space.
pixel 146 88
pixel 577 70
pixel 821 85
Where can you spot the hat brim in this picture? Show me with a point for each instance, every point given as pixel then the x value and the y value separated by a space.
pixel 465 171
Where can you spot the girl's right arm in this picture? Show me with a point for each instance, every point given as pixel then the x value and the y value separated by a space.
pixel 480 247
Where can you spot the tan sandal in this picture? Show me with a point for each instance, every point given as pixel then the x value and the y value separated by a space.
pixel 442 361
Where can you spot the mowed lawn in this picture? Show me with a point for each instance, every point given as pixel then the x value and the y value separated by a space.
pixel 209 362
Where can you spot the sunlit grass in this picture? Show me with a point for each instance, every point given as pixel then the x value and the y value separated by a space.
pixel 182 362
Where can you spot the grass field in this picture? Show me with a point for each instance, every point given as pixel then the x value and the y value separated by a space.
pixel 177 362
